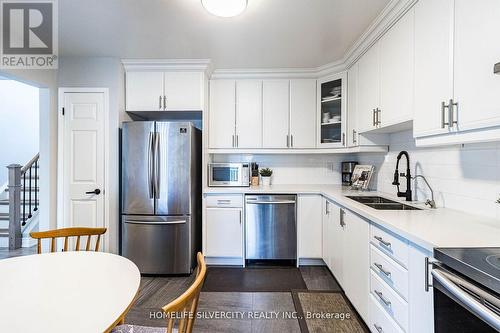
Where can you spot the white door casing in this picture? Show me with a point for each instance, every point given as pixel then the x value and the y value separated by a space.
pixel 82 149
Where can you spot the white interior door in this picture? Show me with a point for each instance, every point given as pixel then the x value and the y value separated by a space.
pixel 83 160
pixel 276 108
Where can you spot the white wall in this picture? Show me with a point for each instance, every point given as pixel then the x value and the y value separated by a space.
pixel 464 178
pixel 19 124
pixel 102 72
pixel 295 169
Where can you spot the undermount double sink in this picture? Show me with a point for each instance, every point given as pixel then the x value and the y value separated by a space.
pixel 381 203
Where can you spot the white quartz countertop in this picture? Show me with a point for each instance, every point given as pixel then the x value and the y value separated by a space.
pixel 428 228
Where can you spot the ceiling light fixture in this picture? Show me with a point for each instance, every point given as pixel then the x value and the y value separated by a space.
pixel 225 8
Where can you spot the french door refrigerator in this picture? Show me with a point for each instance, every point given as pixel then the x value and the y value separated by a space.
pixel 161 196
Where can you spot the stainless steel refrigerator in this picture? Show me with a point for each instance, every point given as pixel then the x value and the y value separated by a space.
pixel 161 196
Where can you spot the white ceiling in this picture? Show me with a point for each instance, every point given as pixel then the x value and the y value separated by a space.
pixel 270 33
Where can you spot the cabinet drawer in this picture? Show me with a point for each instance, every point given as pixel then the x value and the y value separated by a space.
pixel 389 300
pixel 380 321
pixel 235 200
pixel 389 271
pixel 390 244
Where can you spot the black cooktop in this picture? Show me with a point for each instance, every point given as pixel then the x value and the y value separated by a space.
pixel 480 264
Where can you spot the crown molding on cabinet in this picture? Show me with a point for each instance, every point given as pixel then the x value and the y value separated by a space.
pixel 197 65
pixel 394 10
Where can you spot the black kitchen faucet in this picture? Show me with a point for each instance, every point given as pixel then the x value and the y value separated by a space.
pixel 407 194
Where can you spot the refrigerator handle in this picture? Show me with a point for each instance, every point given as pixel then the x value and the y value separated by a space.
pixel 157 165
pixel 150 165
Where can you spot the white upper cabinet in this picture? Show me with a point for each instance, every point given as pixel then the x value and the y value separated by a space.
pixel 352 105
pixel 144 91
pixel 368 89
pixel 433 71
pixel 332 116
pixel 303 113
pixel 183 91
pixel 222 117
pixel 276 108
pixel 164 91
pixel 396 57
pixel 476 50
pixel 249 114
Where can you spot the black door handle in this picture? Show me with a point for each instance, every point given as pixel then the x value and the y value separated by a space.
pixel 96 191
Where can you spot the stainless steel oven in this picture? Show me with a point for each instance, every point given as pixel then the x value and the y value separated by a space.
pixel 229 174
pixel 466 290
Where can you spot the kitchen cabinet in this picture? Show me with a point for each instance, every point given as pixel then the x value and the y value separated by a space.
pixel 276 109
pixel 248 114
pixel 332 117
pixel 368 89
pixel 456 91
pixel 164 91
pixel 222 117
pixel 356 261
pixel 352 106
pixel 421 301
pixel 396 56
pixel 303 113
pixel 333 240
pixel 309 219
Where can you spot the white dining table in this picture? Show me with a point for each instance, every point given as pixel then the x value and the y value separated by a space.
pixel 66 292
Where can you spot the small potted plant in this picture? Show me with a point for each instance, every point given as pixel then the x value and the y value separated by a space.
pixel 266 174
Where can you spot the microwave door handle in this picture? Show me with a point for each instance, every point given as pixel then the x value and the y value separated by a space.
pixel 454 285
pixel 150 165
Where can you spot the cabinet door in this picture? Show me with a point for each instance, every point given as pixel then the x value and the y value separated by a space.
pixel 309 218
pixel 276 108
pixel 356 262
pixel 477 49
pixel 144 91
pixel 433 59
pixel 303 113
pixel 184 91
pixel 222 114
pixel 327 234
pixel 224 232
pixel 249 114
pixel 421 302
pixel 335 239
pixel 368 88
pixel 352 104
pixel 396 72
pixel 331 119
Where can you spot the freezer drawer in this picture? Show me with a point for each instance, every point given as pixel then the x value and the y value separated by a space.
pixel 157 244
pixel 271 228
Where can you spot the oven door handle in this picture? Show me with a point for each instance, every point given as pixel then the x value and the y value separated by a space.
pixel 456 285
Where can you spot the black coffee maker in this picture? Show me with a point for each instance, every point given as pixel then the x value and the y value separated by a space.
pixel 347 171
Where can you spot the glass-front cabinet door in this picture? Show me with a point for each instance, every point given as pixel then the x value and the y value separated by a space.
pixel 332 119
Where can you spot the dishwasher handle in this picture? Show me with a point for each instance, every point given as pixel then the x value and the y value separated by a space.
pixel 257 202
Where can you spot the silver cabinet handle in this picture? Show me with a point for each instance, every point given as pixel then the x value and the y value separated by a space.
pixel 378 111
pixel 343 139
pixel 353 136
pixel 291 141
pixel 342 214
pixel 382 241
pixel 232 144
pixel 236 140
pixel 466 293
pixel 287 141
pixel 223 202
pixel 327 207
pixel 373 118
pixel 451 110
pixel 159 105
pixel 164 102
pixel 382 270
pixel 443 107
pixel 378 328
pixel 382 298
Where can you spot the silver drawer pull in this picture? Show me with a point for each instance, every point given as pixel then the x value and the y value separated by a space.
pixel 382 241
pixel 382 298
pixel 382 270
pixel 378 328
pixel 224 202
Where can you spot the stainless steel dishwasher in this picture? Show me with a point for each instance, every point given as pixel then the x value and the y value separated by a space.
pixel 271 227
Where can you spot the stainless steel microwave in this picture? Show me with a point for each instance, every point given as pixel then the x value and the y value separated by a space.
pixel 229 174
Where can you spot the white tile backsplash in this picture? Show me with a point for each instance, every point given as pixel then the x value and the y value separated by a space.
pixel 465 177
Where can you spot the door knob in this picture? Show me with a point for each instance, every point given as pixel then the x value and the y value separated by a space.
pixel 96 191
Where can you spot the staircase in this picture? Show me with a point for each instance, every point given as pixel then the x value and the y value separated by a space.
pixel 19 203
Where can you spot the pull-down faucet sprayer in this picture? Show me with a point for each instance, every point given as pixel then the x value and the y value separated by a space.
pixel 407 195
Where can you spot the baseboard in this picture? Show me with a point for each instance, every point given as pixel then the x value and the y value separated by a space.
pixel 311 262
pixel 220 261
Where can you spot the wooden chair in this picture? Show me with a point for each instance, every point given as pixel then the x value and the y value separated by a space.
pixel 186 304
pixel 67 233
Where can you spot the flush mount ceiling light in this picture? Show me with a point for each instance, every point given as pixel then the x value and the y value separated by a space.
pixel 225 8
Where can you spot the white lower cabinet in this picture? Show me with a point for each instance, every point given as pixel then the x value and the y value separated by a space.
pixel 421 301
pixel 310 228
pixel 224 227
pixel 380 321
pixel 333 240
